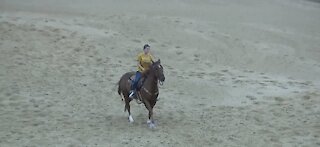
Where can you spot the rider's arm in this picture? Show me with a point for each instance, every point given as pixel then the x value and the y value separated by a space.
pixel 140 66
pixel 152 58
pixel 139 62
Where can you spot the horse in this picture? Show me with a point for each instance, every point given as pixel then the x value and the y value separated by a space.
pixel 148 92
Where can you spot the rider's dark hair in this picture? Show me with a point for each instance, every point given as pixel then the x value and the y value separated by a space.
pixel 145 46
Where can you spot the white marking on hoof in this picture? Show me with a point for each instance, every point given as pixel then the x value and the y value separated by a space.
pixel 151 124
pixel 130 119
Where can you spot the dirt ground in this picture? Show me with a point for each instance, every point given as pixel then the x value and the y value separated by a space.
pixel 238 73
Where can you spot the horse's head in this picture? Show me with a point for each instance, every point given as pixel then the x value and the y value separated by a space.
pixel 157 68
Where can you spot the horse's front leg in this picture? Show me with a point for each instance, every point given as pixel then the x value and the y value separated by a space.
pixel 150 121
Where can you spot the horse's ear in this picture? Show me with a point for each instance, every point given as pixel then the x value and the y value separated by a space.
pixel 159 61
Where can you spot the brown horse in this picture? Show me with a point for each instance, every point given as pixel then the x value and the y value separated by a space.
pixel 148 92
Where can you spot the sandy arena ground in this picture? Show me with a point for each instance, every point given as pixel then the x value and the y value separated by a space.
pixel 238 72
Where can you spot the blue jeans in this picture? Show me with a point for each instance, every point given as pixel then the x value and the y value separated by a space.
pixel 136 80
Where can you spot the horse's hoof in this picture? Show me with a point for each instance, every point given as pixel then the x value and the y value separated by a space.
pixel 130 119
pixel 151 124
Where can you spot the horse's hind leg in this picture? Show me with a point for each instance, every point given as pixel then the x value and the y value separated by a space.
pixel 127 107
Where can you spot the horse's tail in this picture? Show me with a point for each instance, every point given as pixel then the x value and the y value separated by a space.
pixel 119 90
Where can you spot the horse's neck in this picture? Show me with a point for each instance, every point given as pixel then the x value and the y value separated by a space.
pixel 151 81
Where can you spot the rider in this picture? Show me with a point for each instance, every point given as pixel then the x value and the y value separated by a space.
pixel 144 59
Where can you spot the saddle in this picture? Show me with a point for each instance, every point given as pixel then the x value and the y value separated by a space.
pixel 140 82
pixel 137 96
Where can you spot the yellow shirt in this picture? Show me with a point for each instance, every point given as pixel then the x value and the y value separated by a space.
pixel 145 60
